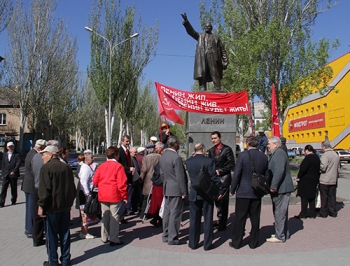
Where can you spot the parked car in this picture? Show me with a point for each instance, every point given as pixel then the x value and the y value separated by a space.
pixel 73 160
pixel 344 156
pixel 291 153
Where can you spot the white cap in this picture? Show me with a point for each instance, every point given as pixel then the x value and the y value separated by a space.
pixel 10 144
pixel 153 138
pixel 51 149
pixel 88 151
pixel 140 149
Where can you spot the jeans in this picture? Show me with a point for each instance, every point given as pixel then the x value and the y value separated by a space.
pixel 57 227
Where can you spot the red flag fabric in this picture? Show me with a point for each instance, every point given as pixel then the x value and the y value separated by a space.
pixel 274 111
pixel 170 99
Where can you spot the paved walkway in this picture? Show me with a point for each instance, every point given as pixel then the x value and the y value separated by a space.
pixel 312 242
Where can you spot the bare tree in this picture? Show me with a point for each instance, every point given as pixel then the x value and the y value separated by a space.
pixel 41 65
pixel 127 61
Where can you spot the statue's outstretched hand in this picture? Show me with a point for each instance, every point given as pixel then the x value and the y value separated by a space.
pixel 184 16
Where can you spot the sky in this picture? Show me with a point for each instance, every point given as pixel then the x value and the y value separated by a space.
pixel 173 65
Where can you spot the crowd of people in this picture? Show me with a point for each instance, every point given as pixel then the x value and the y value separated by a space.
pixel 152 181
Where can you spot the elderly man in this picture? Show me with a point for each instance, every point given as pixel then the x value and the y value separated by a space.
pixel 175 191
pixel 147 170
pixel 56 195
pixel 262 140
pixel 197 203
pixel 29 188
pixel 328 181
pixel 248 201
pixel 150 147
pixel 11 161
pixel 281 187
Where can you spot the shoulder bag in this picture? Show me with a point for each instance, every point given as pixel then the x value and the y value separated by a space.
pixel 259 181
pixel 204 186
pixel 92 205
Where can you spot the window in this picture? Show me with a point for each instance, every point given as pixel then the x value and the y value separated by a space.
pixel 307 110
pixel 2 119
pixel 318 107
pixel 324 105
pixel 312 109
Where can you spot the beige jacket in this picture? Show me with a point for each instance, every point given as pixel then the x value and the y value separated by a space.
pixel 147 169
pixel 329 167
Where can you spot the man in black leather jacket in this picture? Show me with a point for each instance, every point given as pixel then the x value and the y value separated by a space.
pixel 224 164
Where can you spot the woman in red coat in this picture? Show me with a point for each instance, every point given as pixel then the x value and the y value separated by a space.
pixel 112 186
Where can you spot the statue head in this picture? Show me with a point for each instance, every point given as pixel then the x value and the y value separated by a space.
pixel 208 28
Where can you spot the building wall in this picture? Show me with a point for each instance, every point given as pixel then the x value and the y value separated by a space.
pixel 320 117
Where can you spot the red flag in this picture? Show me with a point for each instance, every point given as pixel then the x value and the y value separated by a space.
pixel 274 111
pixel 168 111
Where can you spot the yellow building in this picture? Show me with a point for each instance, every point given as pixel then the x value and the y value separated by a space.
pixel 322 116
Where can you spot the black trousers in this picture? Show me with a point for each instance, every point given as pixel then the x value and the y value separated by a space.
pixel 6 181
pixel 328 200
pixel 196 209
pixel 243 208
pixel 38 223
pixel 222 210
pixel 304 203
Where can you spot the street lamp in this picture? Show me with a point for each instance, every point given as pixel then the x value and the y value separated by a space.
pixel 111 49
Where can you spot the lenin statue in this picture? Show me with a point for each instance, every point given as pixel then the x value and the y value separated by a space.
pixel 211 58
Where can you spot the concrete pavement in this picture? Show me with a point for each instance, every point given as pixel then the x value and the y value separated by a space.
pixel 312 242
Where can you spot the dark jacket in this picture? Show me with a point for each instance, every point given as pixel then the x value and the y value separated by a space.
pixel 224 163
pixel 56 188
pixel 124 162
pixel 262 143
pixel 194 165
pixel 218 53
pixel 242 177
pixel 309 176
pixel 279 172
pixel 12 165
pixel 28 180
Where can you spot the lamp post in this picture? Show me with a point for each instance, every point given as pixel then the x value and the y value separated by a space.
pixel 111 49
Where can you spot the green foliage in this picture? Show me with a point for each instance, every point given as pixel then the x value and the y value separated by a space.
pixel 268 42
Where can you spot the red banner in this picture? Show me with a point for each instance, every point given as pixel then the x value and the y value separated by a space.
pixel 170 99
pixel 274 111
pixel 309 122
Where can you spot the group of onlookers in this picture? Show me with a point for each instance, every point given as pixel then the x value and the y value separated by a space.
pixel 153 181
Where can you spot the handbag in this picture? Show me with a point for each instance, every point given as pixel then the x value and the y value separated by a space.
pixel 204 186
pixel 92 205
pixel 259 181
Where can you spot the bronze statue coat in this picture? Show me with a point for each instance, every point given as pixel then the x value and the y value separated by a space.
pixel 217 54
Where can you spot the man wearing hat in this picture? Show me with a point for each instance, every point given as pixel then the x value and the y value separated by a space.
pixel 165 134
pixel 29 188
pixel 56 195
pixel 150 147
pixel 11 161
pixel 262 140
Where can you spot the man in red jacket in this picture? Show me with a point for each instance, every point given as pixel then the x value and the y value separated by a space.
pixel 110 178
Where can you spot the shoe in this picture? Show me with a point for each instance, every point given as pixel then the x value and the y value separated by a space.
pixel 334 216
pixel 299 217
pixel 153 222
pixel 39 243
pixel 87 236
pixel 46 263
pixel 105 242
pixel 210 247
pixel 130 213
pixel 123 221
pixel 232 246
pixel 2 205
pixel 13 203
pixel 274 240
pixel 321 216
pixel 177 243
pixel 116 243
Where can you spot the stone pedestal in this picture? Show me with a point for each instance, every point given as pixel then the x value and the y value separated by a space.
pixel 199 128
